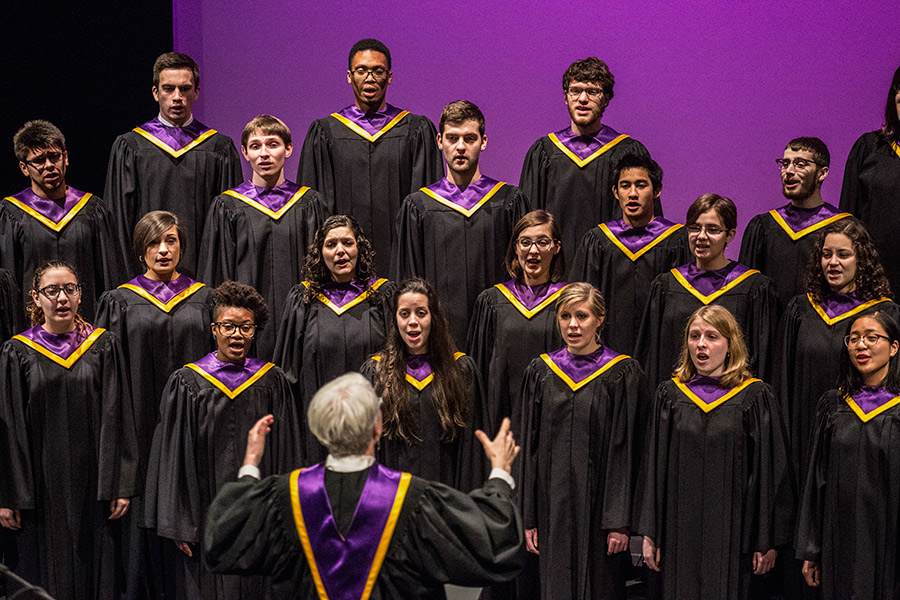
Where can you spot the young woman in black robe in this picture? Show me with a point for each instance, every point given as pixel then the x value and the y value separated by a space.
pixel 334 320
pixel 69 456
pixel 162 320
pixel 433 396
pixel 199 443
pixel 711 279
pixel 581 452
pixel 872 182
pixel 716 487
pixel 848 523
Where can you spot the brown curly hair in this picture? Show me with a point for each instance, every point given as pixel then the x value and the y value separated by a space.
pixel 870 280
pixel 316 272
pixel 36 313
pixel 450 394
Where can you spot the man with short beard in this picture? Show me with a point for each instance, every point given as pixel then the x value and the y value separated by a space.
pixel 779 242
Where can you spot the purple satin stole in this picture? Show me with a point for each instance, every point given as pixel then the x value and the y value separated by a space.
pixel 583 146
pixel 707 282
pixel 372 122
pixel 417 366
pixel 578 367
pixel 163 290
pixel 636 238
pixel 465 197
pixel 836 305
pixel 532 295
pixel 801 218
pixel 60 344
pixel 273 198
pixel 343 293
pixel 706 388
pixel 54 210
pixel 344 563
pixel 232 375
pixel 871 397
pixel 175 137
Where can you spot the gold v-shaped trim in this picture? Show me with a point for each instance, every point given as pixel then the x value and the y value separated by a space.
pixel 849 313
pixel 577 386
pixel 222 387
pixel 276 215
pixel 460 209
pixel 796 235
pixel 365 134
pixel 896 147
pixel 57 227
pixel 65 362
pixel 342 309
pixel 169 149
pixel 582 162
pixel 421 384
pixel 725 288
pixel 521 307
pixel 865 417
pixel 708 407
pixel 636 255
pixel 164 306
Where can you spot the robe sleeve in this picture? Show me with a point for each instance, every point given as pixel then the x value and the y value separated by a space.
pixel 231 172
pixel 533 179
pixel 289 343
pixel 111 316
pixel 428 164
pixel 588 260
pixel 118 475
pixel 316 168
pixel 649 341
pixel 472 460
pixel 122 197
pixel 13 260
pixel 283 447
pixel 786 363
pixel 480 343
pixel 409 255
pixel 650 503
pixel 11 313
pixel 17 488
pixel 854 196
pixel 753 244
pixel 532 388
pixel 761 330
pixel 109 265
pixel 678 249
pixel 222 245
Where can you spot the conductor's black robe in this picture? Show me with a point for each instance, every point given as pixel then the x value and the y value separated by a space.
pixel 325 338
pixel 622 262
pixel 67 450
pixel 207 409
pixel 581 454
pixel 716 485
pixel 456 239
pixel 178 169
pixel 441 536
pixel 365 165
pixel 259 236
pixel 572 178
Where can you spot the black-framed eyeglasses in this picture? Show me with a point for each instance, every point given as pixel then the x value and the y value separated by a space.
pixel 696 228
pixel 51 292
pixel 543 243
pixel 248 330
pixel 39 161
pixel 870 338
pixel 378 73
pixel 592 93
pixel 800 164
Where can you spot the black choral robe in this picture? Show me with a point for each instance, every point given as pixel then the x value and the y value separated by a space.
pixel 716 487
pixel 624 273
pixel 750 298
pixel 459 250
pixel 368 175
pixel 848 520
pixel 581 454
pixel 870 191
pixel 319 341
pixel 245 240
pixel 84 236
pixel 458 463
pixel 441 536
pixel 12 315
pixel 67 449
pixel 780 250
pixel 146 174
pixel 578 192
pixel 198 447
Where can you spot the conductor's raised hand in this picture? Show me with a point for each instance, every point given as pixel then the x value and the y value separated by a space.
pixel 256 440
pixel 502 450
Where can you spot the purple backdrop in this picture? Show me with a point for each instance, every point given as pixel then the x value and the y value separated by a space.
pixel 713 89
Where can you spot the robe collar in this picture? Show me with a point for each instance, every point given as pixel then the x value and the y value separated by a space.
pixel 274 198
pixel 577 370
pixel 467 199
pixel 54 214
pixel 418 367
pixel 232 378
pixel 582 149
pixel 349 464
pixel 370 125
pixel 706 393
pixel 531 297
pixel 798 222
pixel 636 241
pixel 871 400
pixel 837 307
pixel 62 348
pixel 175 138
pixel 709 282
pixel 163 291
pixel 340 294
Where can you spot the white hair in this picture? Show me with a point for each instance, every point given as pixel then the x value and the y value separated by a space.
pixel 342 414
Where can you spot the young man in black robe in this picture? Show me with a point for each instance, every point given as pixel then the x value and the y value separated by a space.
pixel 778 243
pixel 368 156
pixel 569 173
pixel 622 257
pixel 51 220
pixel 172 162
pixel 469 214
pixel 412 536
